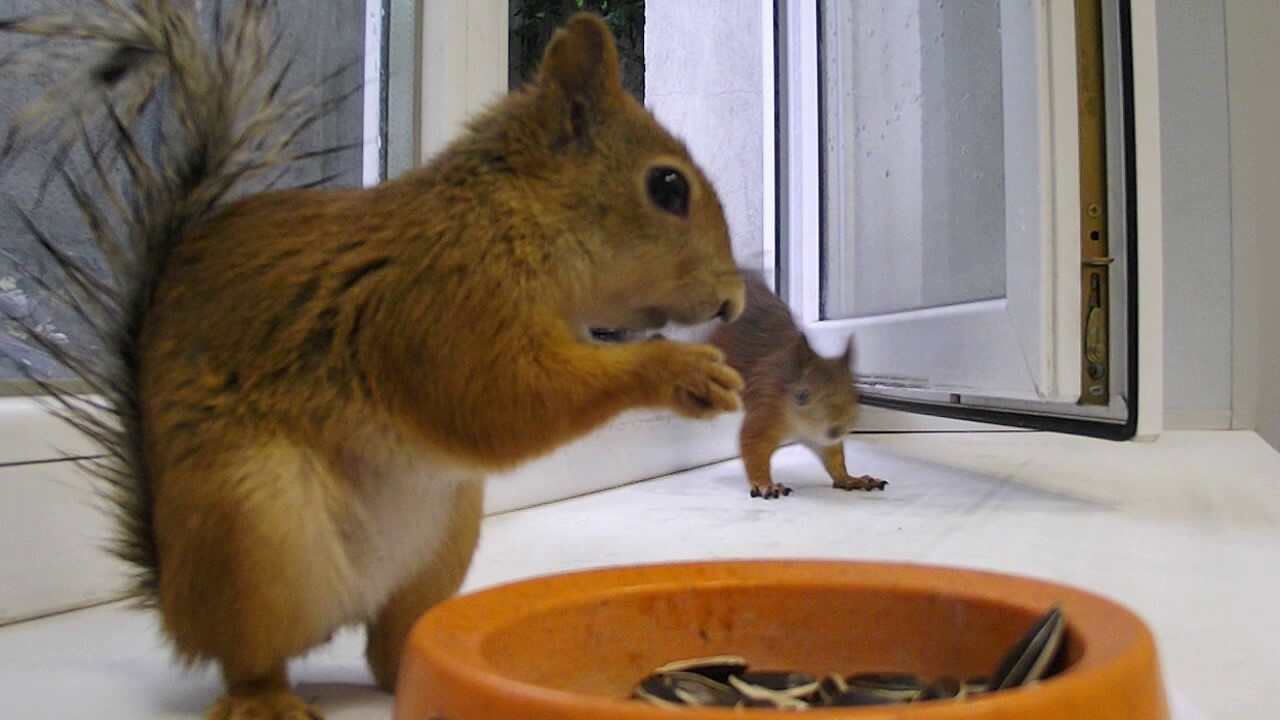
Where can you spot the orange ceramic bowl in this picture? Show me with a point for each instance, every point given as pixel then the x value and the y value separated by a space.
pixel 572 646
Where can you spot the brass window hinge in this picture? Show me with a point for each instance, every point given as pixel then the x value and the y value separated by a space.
pixel 1095 258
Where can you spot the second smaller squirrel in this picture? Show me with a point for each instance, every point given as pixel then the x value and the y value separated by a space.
pixel 791 394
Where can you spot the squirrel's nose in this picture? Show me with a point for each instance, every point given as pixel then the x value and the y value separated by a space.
pixel 834 432
pixel 733 297
pixel 730 309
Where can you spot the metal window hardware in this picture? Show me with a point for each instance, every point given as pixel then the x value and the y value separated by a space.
pixel 1095 260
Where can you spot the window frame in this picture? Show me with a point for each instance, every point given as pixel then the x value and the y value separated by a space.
pixel 800 217
pixel 32 435
pixel 1023 350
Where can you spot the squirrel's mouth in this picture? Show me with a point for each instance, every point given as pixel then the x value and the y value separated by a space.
pixel 623 335
pixel 636 326
pixel 654 323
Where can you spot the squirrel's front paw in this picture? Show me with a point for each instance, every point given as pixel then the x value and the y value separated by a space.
pixel 862 482
pixel 700 383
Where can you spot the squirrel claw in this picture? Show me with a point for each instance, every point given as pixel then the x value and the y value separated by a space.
pixel 772 491
pixel 862 482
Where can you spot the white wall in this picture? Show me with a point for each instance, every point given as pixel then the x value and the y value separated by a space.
pixel 1197 212
pixel 703 81
pixel 1253 61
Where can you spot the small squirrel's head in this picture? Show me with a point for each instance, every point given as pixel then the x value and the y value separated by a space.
pixel 821 397
pixel 613 183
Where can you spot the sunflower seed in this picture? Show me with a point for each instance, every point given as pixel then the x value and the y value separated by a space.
pixel 899 687
pixel 718 668
pixel 941 689
pixel 694 689
pixel 727 681
pixel 794 684
pixel 858 698
pixel 1030 659
pixel 785 698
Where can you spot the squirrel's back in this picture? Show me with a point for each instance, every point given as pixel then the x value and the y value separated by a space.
pixel 789 387
pixel 765 332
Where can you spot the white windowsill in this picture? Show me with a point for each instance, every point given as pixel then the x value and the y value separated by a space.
pixel 29 433
pixel 1182 530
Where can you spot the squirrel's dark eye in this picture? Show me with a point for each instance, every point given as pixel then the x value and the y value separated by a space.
pixel 669 190
pixel 802 397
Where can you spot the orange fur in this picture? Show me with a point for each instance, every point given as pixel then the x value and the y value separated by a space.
pixel 324 377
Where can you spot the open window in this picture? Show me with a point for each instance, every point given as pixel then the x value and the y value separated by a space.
pixel 1006 338
pixel 959 190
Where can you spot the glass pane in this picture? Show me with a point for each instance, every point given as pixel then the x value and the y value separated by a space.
pixel 534 21
pixel 326 35
pixel 27 183
pixel 913 154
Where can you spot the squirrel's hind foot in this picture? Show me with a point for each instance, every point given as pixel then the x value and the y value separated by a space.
pixel 277 705
pixel 772 491
pixel 862 482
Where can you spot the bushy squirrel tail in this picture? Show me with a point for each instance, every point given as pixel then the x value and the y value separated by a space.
pixel 154 121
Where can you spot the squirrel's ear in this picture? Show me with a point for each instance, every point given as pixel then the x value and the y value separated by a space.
pixel 847 357
pixel 580 72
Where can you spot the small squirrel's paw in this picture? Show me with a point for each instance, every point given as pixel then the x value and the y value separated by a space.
pixel 862 482
pixel 266 706
pixel 704 385
pixel 772 491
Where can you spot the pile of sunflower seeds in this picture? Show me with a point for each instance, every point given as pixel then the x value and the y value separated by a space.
pixel 728 680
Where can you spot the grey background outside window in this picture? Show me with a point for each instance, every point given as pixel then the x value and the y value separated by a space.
pixel 324 36
pixel 913 144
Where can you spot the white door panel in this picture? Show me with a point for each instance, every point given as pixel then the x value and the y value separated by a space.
pixel 960 348
pixel 934 160
pixel 1018 349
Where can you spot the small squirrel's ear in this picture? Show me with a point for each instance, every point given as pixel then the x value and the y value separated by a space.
pixel 580 72
pixel 847 357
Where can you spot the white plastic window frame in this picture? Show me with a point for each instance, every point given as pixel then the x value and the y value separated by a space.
pixel 1017 330
pixel 798 247
pixel 469 71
